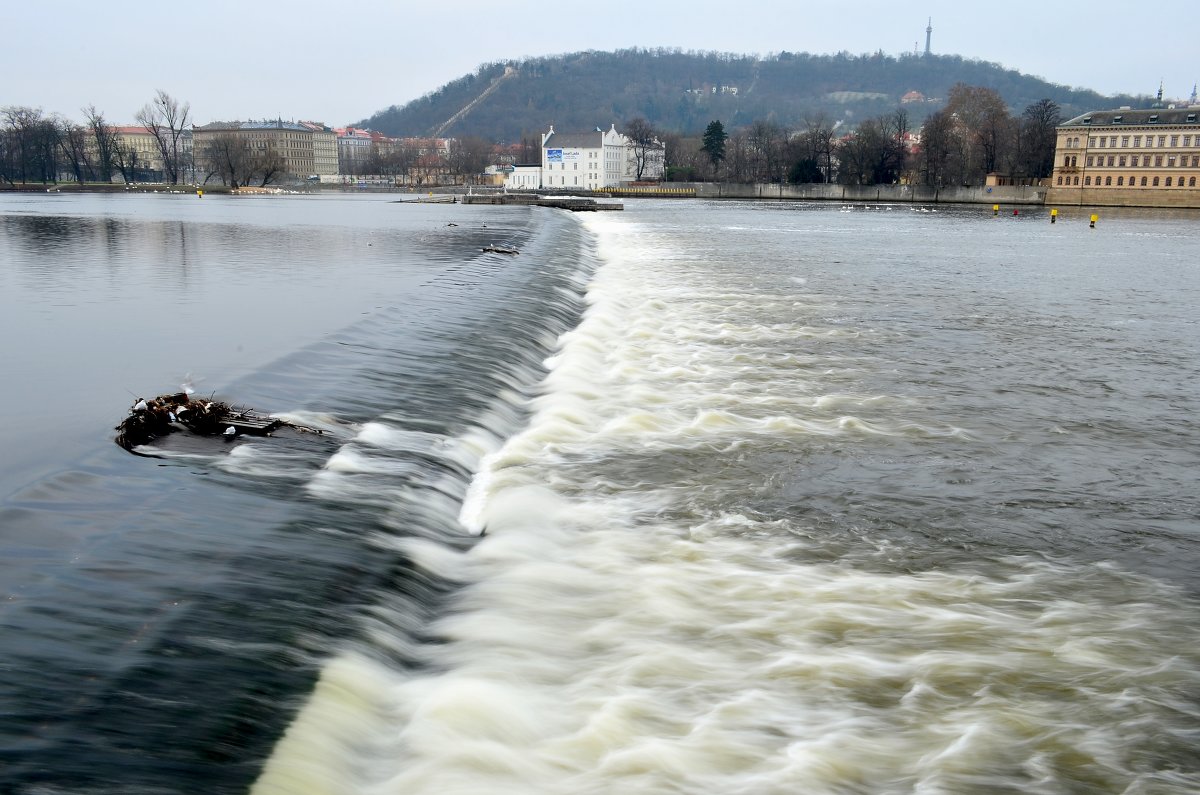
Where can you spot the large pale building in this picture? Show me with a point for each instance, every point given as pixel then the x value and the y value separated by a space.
pixel 325 148
pixel 306 148
pixel 1125 157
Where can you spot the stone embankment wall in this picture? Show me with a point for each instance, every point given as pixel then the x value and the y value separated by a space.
pixel 919 194
pixel 1181 198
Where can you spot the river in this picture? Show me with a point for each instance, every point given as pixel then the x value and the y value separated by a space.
pixel 696 497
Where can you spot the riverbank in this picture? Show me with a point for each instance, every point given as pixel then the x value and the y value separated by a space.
pixel 915 194
pixel 1005 196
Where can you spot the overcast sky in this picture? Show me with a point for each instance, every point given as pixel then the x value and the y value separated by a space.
pixel 341 62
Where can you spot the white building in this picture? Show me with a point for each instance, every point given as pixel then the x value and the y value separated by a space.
pixel 586 161
pixel 524 177
pixel 583 161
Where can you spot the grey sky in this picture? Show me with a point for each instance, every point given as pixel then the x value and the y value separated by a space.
pixel 341 62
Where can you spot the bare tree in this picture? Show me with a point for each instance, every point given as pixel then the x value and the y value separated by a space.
pixel 267 165
pixel 469 156
pixel 766 139
pixel 812 151
pixel 167 121
pixel 680 157
pixel 75 142
pixel 1037 138
pixel 875 154
pixel 940 143
pixel 228 158
pixel 985 117
pixel 104 138
pixel 737 158
pixel 126 161
pixel 643 141
pixel 26 131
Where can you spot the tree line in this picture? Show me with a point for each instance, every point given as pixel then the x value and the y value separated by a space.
pixel 37 147
pixel 972 136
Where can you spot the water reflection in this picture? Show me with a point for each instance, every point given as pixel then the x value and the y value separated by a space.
pixel 127 293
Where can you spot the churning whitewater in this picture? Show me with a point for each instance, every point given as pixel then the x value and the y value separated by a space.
pixel 797 508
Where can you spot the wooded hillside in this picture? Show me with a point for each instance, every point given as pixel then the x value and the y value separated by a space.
pixel 682 91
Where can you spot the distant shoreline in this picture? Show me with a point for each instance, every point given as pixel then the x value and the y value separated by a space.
pixel 1006 199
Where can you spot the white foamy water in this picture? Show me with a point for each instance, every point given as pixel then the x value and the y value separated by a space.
pixel 661 604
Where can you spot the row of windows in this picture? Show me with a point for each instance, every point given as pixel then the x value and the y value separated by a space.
pixel 1134 161
pixel 1108 181
pixel 1125 141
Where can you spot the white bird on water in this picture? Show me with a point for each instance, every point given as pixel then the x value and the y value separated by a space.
pixel 230 432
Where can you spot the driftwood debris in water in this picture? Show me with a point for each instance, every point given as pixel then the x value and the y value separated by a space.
pixel 152 419
pixel 500 250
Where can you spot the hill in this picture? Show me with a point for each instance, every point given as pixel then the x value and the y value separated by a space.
pixel 682 91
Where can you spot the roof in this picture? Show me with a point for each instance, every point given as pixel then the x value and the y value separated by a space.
pixel 1124 117
pixel 588 140
pixel 254 125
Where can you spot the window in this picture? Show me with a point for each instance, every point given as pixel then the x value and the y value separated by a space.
pixel 1168 183
pixel 1077 179
pixel 1143 182
pixel 1124 141
pixel 1162 141
pixel 1090 161
pixel 1155 183
pixel 1137 140
pixel 1174 141
pixel 1103 141
pixel 1108 180
pixel 1153 119
pixel 1110 161
pixel 1158 161
pixel 1121 161
pixel 1120 181
pixel 1191 182
pixel 1187 140
pixel 1087 180
pixel 1117 119
pixel 1060 180
pixel 1092 140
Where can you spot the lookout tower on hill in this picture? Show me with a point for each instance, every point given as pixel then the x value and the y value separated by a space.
pixel 928 37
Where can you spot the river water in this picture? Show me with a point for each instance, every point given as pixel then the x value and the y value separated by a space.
pixel 696 497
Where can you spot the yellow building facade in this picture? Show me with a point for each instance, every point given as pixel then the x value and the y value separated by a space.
pixel 1128 158
pixel 305 148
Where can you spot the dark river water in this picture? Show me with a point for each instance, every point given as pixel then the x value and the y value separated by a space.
pixel 691 498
